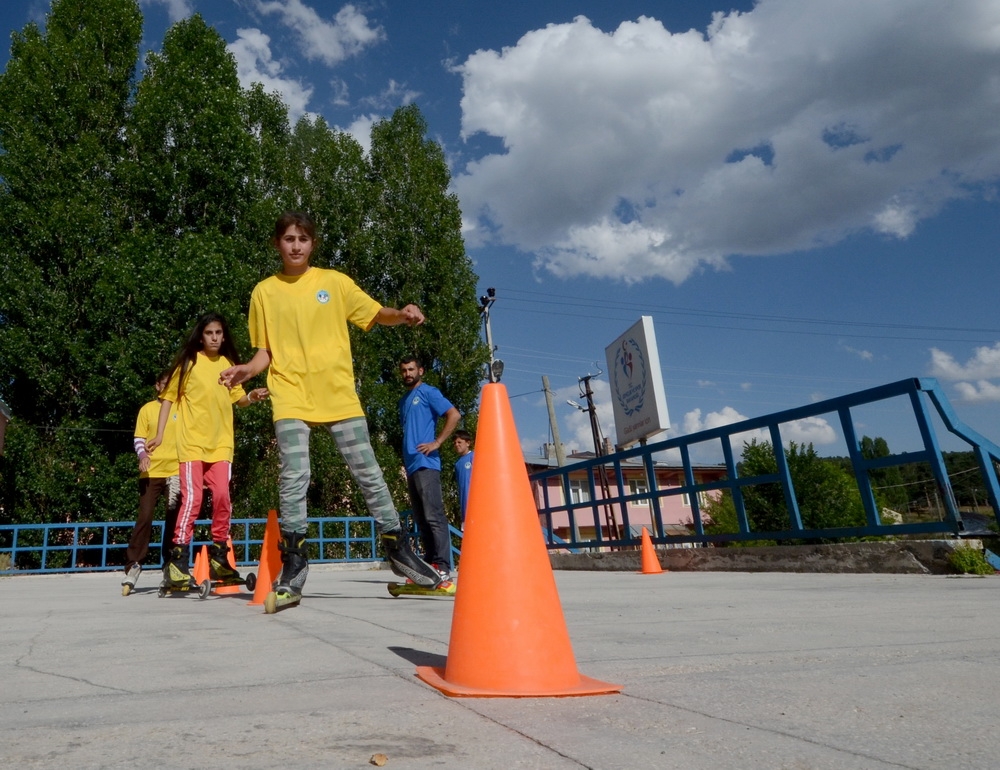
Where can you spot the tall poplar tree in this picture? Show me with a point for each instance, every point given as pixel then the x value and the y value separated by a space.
pixel 129 206
pixel 63 102
pixel 417 255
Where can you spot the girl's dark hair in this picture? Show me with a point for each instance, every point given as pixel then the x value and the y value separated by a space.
pixel 188 354
pixel 298 218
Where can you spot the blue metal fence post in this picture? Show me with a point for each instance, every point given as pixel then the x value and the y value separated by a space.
pixel 936 461
pixel 860 467
pixel 795 518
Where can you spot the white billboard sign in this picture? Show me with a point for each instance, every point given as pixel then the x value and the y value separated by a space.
pixel 637 392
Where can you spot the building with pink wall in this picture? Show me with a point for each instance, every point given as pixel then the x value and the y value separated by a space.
pixel 630 497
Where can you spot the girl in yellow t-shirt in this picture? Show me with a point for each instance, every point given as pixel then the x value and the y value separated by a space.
pixel 298 323
pixel 204 442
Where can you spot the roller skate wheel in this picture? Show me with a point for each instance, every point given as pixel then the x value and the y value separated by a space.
pixel 126 589
pixel 203 589
pixel 161 592
pixel 251 581
pixel 271 603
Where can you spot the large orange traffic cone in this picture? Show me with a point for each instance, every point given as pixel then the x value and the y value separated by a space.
pixel 270 560
pixel 650 564
pixel 508 634
pixel 200 571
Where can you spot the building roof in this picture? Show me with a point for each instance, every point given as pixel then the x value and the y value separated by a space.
pixel 540 461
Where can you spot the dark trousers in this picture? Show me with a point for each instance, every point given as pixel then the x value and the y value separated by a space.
pixel 150 490
pixel 428 510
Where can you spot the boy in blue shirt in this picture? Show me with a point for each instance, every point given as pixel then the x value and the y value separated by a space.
pixel 463 468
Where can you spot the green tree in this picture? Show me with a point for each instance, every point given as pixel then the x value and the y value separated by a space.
pixel 128 210
pixel 887 483
pixel 63 102
pixel 827 496
pixel 417 255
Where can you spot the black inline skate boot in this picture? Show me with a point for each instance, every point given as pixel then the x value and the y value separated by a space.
pixel 294 569
pixel 176 570
pixel 407 564
pixel 218 564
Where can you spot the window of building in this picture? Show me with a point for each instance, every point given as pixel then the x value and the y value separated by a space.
pixel 579 491
pixel 639 487
pixel 702 499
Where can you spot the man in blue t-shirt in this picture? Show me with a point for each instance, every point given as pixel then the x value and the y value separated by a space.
pixel 462 440
pixel 419 411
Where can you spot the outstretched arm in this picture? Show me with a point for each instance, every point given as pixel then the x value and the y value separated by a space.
pixel 410 315
pixel 255 396
pixel 237 375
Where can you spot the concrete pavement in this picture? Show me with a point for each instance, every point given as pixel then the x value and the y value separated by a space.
pixel 720 671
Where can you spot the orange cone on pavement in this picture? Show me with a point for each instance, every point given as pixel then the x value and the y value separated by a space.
pixel 200 571
pixel 650 564
pixel 508 633
pixel 270 560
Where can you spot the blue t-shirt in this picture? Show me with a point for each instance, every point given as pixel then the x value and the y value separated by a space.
pixel 463 475
pixel 419 411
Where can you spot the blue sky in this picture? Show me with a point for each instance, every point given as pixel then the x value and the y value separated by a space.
pixel 802 194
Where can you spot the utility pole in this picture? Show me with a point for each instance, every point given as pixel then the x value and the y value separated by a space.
pixel 602 471
pixel 553 425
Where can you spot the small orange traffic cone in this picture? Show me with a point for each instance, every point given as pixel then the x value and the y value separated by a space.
pixel 508 634
pixel 200 571
pixel 270 560
pixel 650 564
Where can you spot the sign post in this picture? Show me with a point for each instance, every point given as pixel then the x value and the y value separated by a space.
pixel 640 401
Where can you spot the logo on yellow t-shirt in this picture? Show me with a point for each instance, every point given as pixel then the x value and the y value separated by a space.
pixel 322 296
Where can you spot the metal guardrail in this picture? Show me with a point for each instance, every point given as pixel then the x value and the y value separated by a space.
pixel 921 394
pixel 100 546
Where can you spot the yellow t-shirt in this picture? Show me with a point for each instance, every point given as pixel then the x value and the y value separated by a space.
pixel 162 462
pixel 302 321
pixel 205 412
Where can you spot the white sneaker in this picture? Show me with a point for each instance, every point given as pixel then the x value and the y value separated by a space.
pixel 130 579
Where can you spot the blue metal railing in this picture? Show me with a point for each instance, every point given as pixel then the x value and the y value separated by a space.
pixel 920 394
pixel 100 546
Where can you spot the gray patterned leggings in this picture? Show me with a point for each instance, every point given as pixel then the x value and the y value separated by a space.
pixel 356 449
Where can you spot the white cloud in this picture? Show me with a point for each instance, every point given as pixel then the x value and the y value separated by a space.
pixel 361 130
pixel 255 64
pixel 810 430
pixel 864 355
pixel 814 430
pixel 318 39
pixel 981 391
pixel 984 364
pixel 711 452
pixel 176 9
pixel 694 423
pixel 639 152
pixel 340 93
pixel 392 96
pixel 972 379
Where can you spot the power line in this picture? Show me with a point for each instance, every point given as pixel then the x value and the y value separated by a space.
pixel 612 305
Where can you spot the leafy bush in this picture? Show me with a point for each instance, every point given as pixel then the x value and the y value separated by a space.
pixel 967 560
